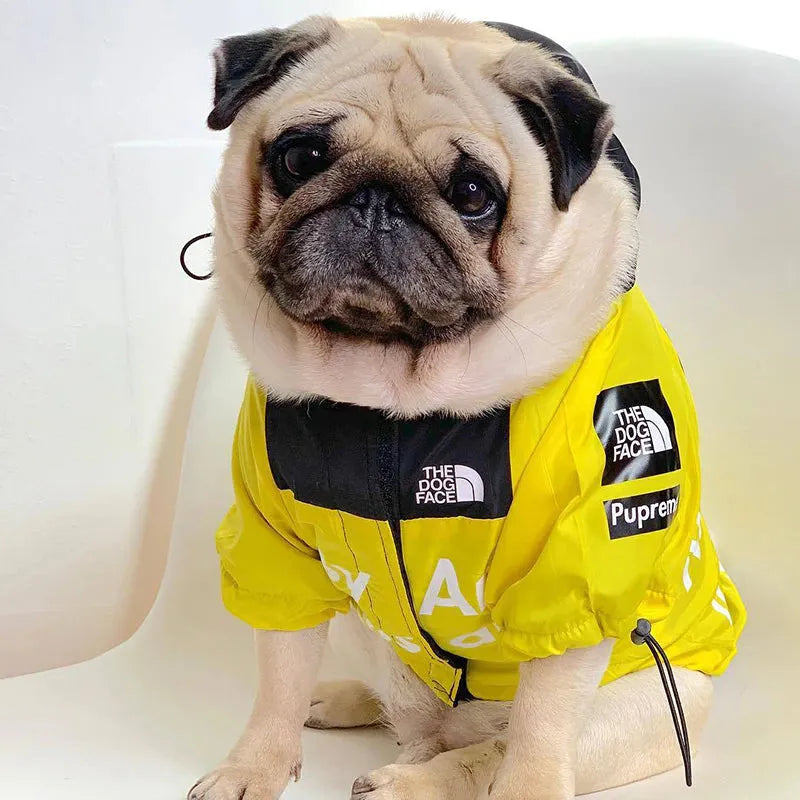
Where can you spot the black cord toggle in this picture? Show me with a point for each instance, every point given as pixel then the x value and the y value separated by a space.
pixel 642 634
pixel 194 240
pixel 641 631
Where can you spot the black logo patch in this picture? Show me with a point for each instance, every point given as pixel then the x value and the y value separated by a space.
pixel 637 430
pixel 643 513
pixel 455 467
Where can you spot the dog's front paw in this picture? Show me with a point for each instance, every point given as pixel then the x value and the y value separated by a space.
pixel 397 782
pixel 234 781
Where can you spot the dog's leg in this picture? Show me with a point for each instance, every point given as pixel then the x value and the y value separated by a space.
pixel 566 736
pixel 626 736
pixel 344 704
pixel 630 736
pixel 268 753
pixel 551 707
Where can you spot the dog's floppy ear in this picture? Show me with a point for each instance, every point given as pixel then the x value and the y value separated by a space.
pixel 248 65
pixel 563 112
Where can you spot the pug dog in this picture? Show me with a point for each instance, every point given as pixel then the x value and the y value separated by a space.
pixel 465 437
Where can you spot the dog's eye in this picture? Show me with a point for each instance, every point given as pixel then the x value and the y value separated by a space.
pixel 304 160
pixel 295 158
pixel 471 197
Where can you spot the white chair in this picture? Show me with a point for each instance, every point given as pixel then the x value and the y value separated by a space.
pixel 715 133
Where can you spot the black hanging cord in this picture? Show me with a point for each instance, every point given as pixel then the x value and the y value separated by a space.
pixel 194 240
pixel 642 634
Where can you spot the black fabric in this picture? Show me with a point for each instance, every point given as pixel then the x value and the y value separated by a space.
pixel 326 454
pixel 358 460
pixel 636 428
pixel 615 150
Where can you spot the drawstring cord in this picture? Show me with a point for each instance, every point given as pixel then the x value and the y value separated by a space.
pixel 642 634
pixel 193 275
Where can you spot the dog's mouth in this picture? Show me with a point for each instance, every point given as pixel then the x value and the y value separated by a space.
pixel 368 310
pixel 412 331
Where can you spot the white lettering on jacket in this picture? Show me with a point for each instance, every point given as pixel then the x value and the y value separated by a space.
pixel 406 642
pixel 475 639
pixel 356 584
pixel 480 593
pixel 445 577
pixel 718 603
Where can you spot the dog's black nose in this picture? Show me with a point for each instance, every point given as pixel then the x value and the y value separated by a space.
pixel 377 207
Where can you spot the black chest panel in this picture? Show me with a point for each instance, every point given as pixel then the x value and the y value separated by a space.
pixel 358 460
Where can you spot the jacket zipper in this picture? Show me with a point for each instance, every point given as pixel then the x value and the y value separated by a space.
pixel 389 481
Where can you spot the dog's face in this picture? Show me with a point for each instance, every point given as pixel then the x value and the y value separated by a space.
pixel 399 190
pixel 378 245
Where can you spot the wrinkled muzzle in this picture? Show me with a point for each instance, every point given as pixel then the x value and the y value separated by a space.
pixel 378 256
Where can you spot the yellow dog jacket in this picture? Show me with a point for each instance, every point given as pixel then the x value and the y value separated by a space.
pixel 472 545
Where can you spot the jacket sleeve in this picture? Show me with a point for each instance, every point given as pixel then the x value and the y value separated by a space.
pixel 272 575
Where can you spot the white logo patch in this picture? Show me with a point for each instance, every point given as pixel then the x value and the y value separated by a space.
pixel 449 483
pixel 640 431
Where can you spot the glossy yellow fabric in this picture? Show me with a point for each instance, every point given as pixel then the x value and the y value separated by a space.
pixel 544 579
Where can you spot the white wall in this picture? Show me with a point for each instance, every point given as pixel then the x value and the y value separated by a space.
pixel 93 315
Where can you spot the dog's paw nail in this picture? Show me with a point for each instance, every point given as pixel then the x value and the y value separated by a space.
pixel 361 786
pixel 194 793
